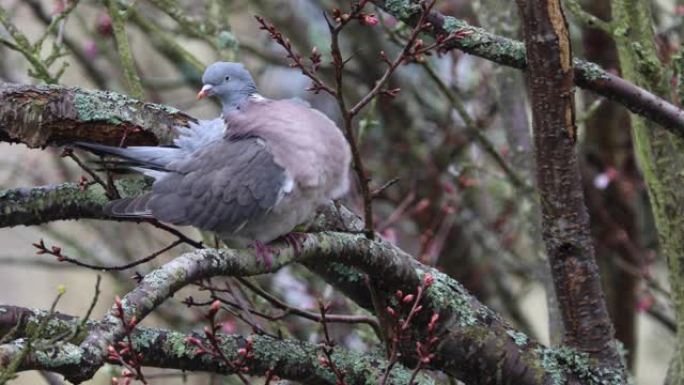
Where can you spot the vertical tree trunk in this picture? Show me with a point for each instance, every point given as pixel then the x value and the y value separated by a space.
pixel 565 222
pixel 659 152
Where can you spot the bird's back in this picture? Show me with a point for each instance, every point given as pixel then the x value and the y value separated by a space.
pixel 303 141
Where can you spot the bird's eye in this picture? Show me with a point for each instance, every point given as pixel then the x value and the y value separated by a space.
pixel 227 78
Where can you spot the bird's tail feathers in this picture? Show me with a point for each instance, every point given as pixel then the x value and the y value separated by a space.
pixel 129 207
pixel 143 156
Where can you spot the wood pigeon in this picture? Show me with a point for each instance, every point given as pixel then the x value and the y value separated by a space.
pixel 250 176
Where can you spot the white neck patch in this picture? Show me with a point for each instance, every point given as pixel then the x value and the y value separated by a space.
pixel 257 98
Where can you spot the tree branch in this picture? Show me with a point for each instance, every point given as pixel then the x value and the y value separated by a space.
pixel 51 115
pixel 289 359
pixel 33 206
pixel 473 337
pixel 511 53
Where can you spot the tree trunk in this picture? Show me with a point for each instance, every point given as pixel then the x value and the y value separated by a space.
pixel 565 221
pixel 658 151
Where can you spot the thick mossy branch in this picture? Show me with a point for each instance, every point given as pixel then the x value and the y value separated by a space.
pixel 476 344
pixel 52 115
pixel 37 205
pixel 477 41
pixel 288 359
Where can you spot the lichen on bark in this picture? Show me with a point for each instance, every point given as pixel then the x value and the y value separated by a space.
pixel 51 115
pixel 659 154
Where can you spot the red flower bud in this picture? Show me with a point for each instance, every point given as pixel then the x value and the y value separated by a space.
pixel 391 312
pixel 192 340
pixel 428 280
pixel 103 24
pixel 421 205
pixel 369 19
pixel 433 322
pixel 214 308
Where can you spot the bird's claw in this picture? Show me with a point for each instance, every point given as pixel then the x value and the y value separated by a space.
pixel 264 252
pixel 295 240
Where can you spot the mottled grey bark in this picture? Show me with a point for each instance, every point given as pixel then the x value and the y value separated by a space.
pixel 286 358
pixel 36 205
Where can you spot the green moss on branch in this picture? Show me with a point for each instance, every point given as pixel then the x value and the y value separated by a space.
pixel 288 359
pixel 37 205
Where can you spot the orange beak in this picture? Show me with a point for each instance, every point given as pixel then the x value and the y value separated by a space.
pixel 204 92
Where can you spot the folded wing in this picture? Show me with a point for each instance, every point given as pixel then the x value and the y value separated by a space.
pixel 207 181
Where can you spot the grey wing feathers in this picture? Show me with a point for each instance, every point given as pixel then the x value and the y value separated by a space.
pixel 219 187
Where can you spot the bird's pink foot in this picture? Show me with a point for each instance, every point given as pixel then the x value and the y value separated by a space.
pixel 264 252
pixel 296 240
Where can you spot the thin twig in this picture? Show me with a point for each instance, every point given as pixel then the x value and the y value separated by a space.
pixel 384 187
pixel 328 346
pixel 171 230
pixel 109 191
pixel 337 318
pixel 587 18
pixel 57 252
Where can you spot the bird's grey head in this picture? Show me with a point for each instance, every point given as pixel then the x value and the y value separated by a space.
pixel 230 82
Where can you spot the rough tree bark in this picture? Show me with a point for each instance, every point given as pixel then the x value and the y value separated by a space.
pixel 476 345
pixel 49 115
pixel 658 151
pixel 288 359
pixel 565 221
